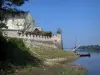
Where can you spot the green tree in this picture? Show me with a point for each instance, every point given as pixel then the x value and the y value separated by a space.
pixel 7 7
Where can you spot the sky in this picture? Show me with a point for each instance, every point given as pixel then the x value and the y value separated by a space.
pixel 78 19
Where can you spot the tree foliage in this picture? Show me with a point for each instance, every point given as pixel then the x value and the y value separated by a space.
pixel 90 47
pixel 14 54
pixel 9 7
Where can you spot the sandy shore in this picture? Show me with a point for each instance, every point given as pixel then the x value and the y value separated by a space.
pixel 55 61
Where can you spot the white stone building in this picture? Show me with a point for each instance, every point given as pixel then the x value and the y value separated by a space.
pixel 20 21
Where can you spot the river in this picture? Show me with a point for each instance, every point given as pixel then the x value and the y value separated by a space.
pixel 92 63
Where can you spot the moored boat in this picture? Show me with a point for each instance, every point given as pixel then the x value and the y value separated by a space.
pixel 84 55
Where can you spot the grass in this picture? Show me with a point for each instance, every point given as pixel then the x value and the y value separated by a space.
pixel 18 56
pixel 59 70
pixel 14 55
pixel 49 53
pixel 69 71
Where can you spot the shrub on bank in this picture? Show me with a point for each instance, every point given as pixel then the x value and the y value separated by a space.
pixel 14 54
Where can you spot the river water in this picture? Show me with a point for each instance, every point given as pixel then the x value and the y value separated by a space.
pixel 92 63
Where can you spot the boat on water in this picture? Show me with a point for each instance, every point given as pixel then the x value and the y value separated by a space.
pixel 84 55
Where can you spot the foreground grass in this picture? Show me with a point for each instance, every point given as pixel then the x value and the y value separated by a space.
pixel 70 71
pixel 59 70
pixel 50 53
pixel 14 55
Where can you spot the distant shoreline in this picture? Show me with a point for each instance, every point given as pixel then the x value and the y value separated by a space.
pixel 90 47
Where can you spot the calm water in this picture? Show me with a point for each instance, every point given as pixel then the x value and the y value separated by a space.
pixel 91 63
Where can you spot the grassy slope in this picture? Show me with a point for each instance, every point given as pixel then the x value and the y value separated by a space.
pixel 49 53
pixel 20 56
pixel 14 54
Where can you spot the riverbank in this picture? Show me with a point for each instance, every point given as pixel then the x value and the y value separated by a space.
pixel 58 70
pixel 55 62
pixel 21 60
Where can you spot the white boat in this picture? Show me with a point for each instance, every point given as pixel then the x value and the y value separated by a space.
pixel 75 48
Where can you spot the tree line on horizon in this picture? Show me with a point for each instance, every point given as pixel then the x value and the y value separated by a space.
pixel 90 47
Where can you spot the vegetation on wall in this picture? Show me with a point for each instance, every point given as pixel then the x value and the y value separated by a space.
pixel 39 33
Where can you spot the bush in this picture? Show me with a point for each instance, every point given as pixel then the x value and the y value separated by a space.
pixel 3 48
pixel 14 54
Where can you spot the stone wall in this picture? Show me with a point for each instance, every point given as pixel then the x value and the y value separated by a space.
pixel 54 41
